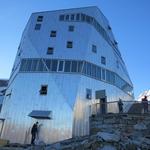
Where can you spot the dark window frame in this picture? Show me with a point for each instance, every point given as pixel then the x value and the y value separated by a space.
pixel 53 33
pixel 37 26
pixel 44 89
pixel 50 51
pixel 69 44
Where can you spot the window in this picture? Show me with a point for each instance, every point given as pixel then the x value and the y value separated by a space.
pixel 72 17
pixel 67 17
pixel 43 90
pixel 61 66
pixel 78 17
pixel 80 66
pixel 94 49
pixel 69 44
pixel 103 74
pixel 67 66
pixel 103 60
pixel 83 16
pixel 54 65
pixel 61 17
pixel 74 66
pixel 53 34
pixel 50 50
pixel 37 27
pixel 108 76
pixel 34 65
pixel 40 19
pixel 71 28
pixel 88 94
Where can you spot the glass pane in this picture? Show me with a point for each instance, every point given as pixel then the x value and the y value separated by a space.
pixel 107 75
pixel 48 64
pixel 67 66
pixel 89 69
pixel 40 66
pixel 103 74
pixel 54 65
pixel 23 65
pixel 98 73
pixel 80 66
pixel 61 66
pixel 74 66
pixel 28 65
pixel 34 64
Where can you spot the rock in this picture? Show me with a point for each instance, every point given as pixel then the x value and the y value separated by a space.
pixel 108 137
pixel 140 126
pixel 107 147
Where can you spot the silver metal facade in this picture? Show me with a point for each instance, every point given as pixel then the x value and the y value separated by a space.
pixel 66 97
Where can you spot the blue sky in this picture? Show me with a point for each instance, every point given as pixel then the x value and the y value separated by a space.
pixel 129 19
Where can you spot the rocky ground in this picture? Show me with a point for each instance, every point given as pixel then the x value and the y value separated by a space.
pixel 108 132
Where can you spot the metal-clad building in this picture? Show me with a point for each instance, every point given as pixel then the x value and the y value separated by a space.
pixel 66 59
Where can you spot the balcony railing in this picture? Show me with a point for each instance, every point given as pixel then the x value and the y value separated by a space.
pixel 97 107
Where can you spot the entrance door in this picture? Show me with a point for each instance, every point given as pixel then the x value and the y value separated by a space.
pixel 101 95
pixel 1 126
pixel 103 106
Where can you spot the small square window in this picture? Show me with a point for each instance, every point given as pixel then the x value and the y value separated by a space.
pixel 50 50
pixel 61 17
pixel 40 19
pixel 37 27
pixel 53 34
pixel 103 60
pixel 69 44
pixel 94 49
pixel 88 94
pixel 43 90
pixel 71 28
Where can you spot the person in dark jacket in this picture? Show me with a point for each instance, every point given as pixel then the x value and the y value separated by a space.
pixel 145 104
pixel 34 132
pixel 120 106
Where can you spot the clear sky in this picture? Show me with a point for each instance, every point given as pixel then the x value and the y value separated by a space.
pixel 129 19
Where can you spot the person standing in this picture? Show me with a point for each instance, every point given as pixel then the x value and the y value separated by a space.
pixel 34 132
pixel 145 104
pixel 120 106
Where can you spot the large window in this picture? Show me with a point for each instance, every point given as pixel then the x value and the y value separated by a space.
pixel 76 67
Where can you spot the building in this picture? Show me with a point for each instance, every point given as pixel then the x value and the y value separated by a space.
pixel 3 87
pixel 66 60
